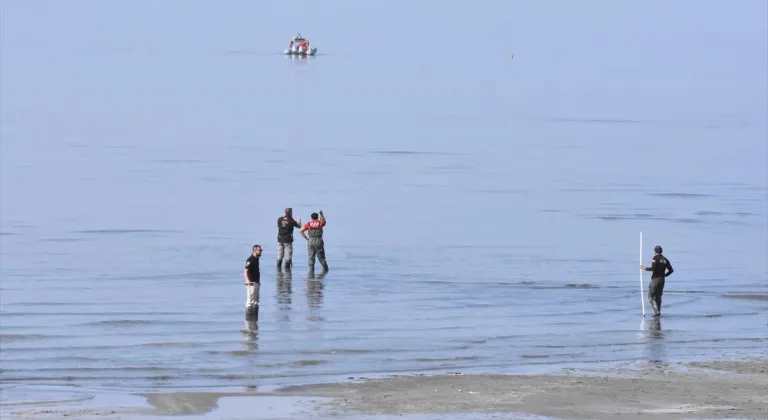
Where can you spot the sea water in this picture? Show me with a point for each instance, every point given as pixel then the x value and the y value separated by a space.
pixel 484 210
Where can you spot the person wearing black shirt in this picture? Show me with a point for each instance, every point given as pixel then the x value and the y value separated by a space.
pixel 252 283
pixel 285 226
pixel 660 269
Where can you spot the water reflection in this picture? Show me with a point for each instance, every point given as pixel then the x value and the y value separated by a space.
pixel 251 335
pixel 657 347
pixel 314 290
pixel 284 289
pixel 654 328
pixel 303 59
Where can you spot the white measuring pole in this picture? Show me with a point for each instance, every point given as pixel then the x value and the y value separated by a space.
pixel 642 298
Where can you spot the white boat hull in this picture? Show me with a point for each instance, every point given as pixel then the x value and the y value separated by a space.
pixel 295 51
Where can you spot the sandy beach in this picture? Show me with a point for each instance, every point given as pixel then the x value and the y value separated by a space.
pixel 701 390
pixel 721 389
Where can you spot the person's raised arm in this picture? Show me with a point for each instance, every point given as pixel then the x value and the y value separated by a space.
pixel 322 218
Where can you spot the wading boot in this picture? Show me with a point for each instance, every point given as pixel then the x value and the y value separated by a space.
pixel 288 265
pixel 324 264
pixel 248 313
pixel 279 263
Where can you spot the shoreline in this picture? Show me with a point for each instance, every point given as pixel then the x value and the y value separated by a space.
pixel 714 389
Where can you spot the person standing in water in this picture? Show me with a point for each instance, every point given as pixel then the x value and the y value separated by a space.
pixel 285 226
pixel 252 278
pixel 315 243
pixel 660 269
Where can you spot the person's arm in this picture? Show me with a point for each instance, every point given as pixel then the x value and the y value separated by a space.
pixel 245 271
pixel 322 219
pixel 653 265
pixel 297 223
pixel 304 229
pixel 670 270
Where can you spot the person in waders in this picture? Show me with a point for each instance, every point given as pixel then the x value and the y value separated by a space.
pixel 660 269
pixel 315 244
pixel 252 284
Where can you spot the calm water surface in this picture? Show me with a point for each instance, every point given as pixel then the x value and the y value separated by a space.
pixel 483 211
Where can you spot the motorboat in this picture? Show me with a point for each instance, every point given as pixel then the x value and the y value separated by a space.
pixel 300 46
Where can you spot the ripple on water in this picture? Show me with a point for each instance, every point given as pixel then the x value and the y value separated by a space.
pixel 122 231
pixel 682 195
pixel 643 216
pixel 23 337
pixel 140 322
pixel 444 359
pixel 309 362
pixel 748 296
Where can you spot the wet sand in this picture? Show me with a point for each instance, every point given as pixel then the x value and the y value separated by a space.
pixel 719 389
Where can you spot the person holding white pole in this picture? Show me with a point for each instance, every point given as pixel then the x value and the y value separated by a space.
pixel 660 269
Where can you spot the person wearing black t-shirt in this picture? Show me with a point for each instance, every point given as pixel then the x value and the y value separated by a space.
pixel 252 278
pixel 285 226
pixel 660 269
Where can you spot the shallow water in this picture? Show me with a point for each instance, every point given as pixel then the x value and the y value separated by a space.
pixel 483 212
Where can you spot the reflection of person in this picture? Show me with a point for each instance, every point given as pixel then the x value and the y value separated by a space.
pixel 284 286
pixel 655 327
pixel 659 264
pixel 296 38
pixel 252 279
pixel 315 243
pixel 315 289
pixel 285 226
pixel 251 335
pixel 314 292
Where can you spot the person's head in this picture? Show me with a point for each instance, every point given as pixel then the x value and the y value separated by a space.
pixel 314 216
pixel 256 250
pixel 288 211
pixel 657 249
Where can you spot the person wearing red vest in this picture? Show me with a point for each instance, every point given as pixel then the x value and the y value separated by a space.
pixel 315 243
